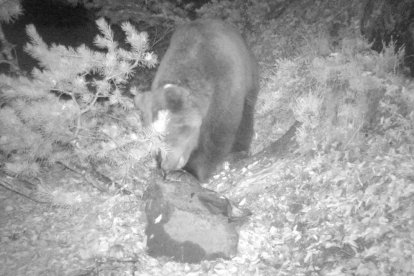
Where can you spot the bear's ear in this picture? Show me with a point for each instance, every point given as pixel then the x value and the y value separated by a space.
pixel 175 97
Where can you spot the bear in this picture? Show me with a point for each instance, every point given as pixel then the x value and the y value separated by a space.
pixel 207 81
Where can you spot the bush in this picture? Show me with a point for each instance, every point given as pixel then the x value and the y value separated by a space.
pixel 68 110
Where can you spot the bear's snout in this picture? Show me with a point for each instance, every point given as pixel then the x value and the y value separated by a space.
pixel 170 161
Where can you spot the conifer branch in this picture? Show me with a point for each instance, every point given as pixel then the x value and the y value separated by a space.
pixel 40 125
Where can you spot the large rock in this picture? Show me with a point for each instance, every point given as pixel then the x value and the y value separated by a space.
pixel 189 223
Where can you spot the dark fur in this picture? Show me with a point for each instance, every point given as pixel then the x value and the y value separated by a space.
pixel 208 81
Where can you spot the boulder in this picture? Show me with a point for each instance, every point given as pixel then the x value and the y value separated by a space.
pixel 189 223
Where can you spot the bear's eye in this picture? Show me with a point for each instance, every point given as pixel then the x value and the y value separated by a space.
pixel 175 104
pixel 185 129
pixel 174 99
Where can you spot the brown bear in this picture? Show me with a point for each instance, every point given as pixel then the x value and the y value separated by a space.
pixel 208 83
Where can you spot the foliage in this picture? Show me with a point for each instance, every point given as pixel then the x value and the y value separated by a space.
pixel 346 208
pixel 343 206
pixel 344 100
pixel 332 89
pixel 338 213
pixel 243 14
pixel 284 43
pixel 80 119
pixel 9 10
pixel 346 212
pixel 151 12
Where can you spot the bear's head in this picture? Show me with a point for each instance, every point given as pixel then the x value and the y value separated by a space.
pixel 170 111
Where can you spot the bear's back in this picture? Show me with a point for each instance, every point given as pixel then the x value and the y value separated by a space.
pixel 204 52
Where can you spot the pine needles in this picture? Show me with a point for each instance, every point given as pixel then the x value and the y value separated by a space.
pixel 57 114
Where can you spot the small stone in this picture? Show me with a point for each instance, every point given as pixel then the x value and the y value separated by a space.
pixel 252 165
pixel 116 251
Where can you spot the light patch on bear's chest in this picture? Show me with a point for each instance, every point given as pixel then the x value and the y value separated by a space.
pixel 163 118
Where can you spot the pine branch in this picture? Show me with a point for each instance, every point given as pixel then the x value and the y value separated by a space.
pixel 9 10
pixel 40 128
